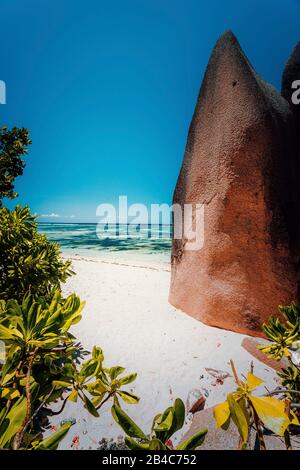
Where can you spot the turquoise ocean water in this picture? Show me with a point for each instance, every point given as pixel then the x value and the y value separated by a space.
pixel 141 243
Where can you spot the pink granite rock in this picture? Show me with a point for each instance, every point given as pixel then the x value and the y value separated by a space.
pixel 240 163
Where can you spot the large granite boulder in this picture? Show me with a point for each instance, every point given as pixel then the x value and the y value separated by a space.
pixel 240 164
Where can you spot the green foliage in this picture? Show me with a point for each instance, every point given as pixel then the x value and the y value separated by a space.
pixel 28 260
pixel 282 335
pixel 51 442
pixel 285 339
pixel 13 145
pixel 40 367
pixel 164 426
pixel 290 380
pixel 36 324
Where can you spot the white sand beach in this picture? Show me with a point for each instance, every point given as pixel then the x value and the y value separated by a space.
pixel 127 313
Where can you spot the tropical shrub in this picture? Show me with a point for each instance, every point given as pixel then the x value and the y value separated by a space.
pixel 42 366
pixel 13 145
pixel 28 260
pixel 164 426
pixel 280 416
pixel 282 335
pixel 246 410
pixel 285 342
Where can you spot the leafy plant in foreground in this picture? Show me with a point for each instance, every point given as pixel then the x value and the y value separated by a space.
pixel 41 367
pixel 285 342
pixel 247 410
pixel 164 426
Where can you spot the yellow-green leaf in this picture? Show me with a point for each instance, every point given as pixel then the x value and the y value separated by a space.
pixel 253 382
pixel 293 418
pixel 73 396
pixel 134 445
pixel 128 397
pixel 221 414
pixel 166 424
pixel 61 384
pixel 14 420
pixel 10 393
pixel 127 424
pixel 238 417
pixel 52 442
pixel 194 441
pixel 271 412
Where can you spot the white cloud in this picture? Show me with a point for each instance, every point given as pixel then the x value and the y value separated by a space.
pixel 53 215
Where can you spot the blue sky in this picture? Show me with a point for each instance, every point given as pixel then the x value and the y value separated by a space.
pixel 108 89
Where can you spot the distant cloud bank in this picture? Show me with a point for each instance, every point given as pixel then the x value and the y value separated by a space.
pixel 53 215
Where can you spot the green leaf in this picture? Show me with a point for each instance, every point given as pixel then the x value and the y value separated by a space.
pixel 115 371
pixel 97 353
pixel 127 379
pixel 72 321
pixel 166 424
pixel 45 344
pixel 90 407
pixel 128 397
pixel 179 410
pixel 157 444
pixel 33 312
pixel 126 423
pixel 193 442
pixel 10 366
pixel 134 445
pixel 238 417
pixel 13 421
pixel 51 442
pixel 97 387
pixel 61 384
pixel 73 396
pixel 7 334
pixel 97 400
pixel 88 369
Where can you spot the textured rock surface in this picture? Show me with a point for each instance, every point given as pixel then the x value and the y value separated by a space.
pixel 240 162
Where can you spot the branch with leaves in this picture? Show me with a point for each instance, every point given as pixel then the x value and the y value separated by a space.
pixel 163 427
pixel 40 368
pixel 246 410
